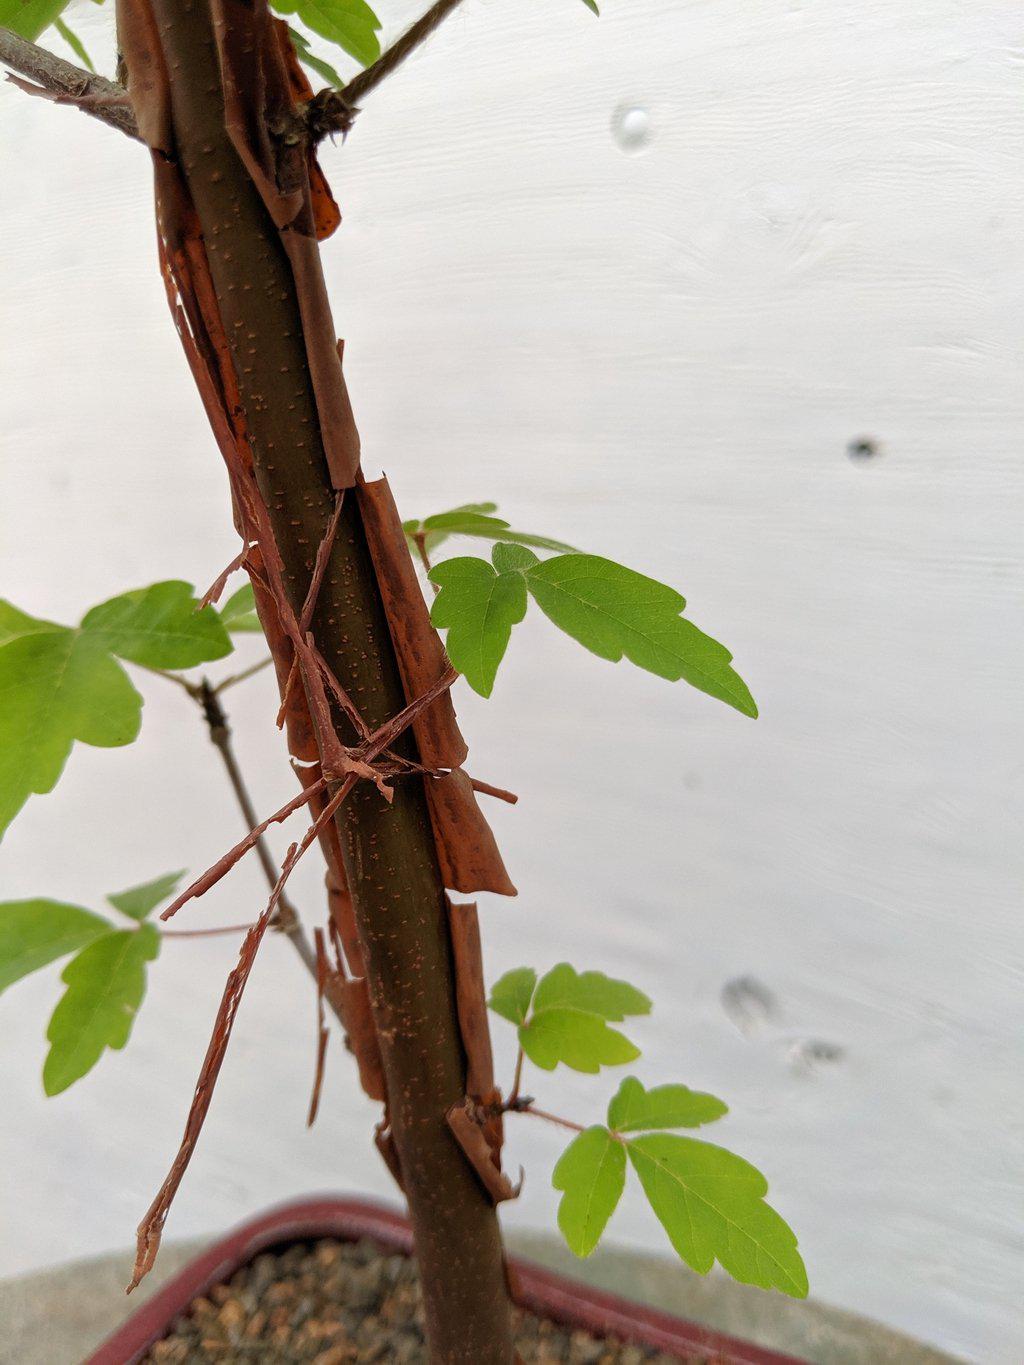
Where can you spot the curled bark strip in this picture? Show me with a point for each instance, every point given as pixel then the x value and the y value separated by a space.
pixel 151 1228
pixel 224 865
pixel 326 214
pixel 471 1138
pixel 213 592
pixel 343 920
pixel 418 646
pixel 323 554
pixel 384 1141
pixel 139 41
pixel 362 1037
pixel 471 999
pixel 466 847
pixel 258 102
pixel 322 973
pixel 499 793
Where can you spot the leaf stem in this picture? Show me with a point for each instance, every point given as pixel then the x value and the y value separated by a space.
pixel 531 1108
pixel 206 933
pixel 516 1080
pixel 245 674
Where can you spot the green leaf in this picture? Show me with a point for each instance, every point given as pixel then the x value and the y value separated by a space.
pixel 582 1041
pixel 138 901
pixel 432 539
pixel 238 614
pixel 592 6
pixel 74 42
pixel 479 608
pixel 711 1204
pixel 351 24
pixel 309 58
pixel 56 686
pixel 159 627
pixel 59 684
pixel 591 1172
pixel 30 18
pixel 468 521
pixel 34 933
pixel 511 994
pixel 613 611
pixel 512 558
pixel 105 986
pixel 633 1108
pixel 590 991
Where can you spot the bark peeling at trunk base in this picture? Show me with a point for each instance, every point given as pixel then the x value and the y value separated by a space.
pixel 196 66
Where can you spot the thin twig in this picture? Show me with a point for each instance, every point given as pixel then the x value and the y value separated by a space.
pixel 246 673
pixel 333 111
pixel 360 86
pixel 191 688
pixel 65 83
pixel 207 933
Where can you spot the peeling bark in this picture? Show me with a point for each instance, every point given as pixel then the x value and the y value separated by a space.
pixel 208 78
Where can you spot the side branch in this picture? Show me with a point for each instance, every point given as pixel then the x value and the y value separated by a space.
pixel 332 111
pixel 64 83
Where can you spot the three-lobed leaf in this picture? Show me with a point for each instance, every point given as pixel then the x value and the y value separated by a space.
pixel 158 627
pixel 611 610
pixel 591 1173
pixel 511 994
pixel 633 1109
pixel 139 901
pixel 583 1041
pixel 591 991
pixel 564 1016
pixel 59 684
pixel 105 985
pixel 34 933
pixel 615 612
pixel 711 1204
pixel 478 606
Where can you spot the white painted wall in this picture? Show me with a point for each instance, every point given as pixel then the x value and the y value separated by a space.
pixel 662 356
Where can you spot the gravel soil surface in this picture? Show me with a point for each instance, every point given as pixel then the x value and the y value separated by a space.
pixel 333 1303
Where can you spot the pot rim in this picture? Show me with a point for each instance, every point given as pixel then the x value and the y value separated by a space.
pixel 542 1292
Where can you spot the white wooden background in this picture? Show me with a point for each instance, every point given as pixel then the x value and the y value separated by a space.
pixel 660 351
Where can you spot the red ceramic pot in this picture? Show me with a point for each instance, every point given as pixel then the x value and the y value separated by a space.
pixel 540 1291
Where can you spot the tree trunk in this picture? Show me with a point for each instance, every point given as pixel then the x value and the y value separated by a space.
pixel 389 851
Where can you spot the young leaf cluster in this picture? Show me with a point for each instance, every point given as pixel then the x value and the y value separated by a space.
pixel 105 980
pixel 709 1201
pixel 59 684
pixel 566 1016
pixel 612 611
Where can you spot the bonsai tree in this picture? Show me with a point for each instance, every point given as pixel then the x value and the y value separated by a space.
pixel 350 599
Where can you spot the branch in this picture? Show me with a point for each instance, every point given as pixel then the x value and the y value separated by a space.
pixel 64 83
pixel 332 111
